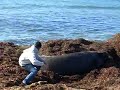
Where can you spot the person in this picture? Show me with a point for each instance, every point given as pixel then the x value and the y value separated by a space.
pixel 31 62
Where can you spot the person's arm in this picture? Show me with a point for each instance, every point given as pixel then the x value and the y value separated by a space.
pixel 34 61
pixel 41 59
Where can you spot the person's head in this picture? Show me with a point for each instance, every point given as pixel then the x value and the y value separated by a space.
pixel 38 45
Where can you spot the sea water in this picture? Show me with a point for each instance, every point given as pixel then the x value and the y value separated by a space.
pixel 25 21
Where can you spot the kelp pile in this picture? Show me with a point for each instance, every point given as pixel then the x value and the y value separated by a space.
pixel 105 78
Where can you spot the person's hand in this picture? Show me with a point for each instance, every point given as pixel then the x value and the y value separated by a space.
pixel 45 63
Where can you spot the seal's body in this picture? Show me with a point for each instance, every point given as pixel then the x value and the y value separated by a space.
pixel 75 63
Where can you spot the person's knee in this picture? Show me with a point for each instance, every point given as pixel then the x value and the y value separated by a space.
pixel 38 67
pixel 34 70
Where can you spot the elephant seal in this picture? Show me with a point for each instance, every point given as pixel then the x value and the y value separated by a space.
pixel 75 63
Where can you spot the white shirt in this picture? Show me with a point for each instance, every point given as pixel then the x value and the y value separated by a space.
pixel 30 56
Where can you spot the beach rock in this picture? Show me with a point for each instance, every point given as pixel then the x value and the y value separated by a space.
pixel 10 71
pixel 59 47
pixel 115 42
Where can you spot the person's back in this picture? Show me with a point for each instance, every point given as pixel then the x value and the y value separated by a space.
pixel 29 56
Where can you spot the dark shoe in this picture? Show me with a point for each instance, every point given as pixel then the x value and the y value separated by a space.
pixel 17 82
pixel 23 84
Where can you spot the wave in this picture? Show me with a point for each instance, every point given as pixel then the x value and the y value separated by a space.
pixel 61 6
pixel 94 7
pixel 79 7
pixel 25 41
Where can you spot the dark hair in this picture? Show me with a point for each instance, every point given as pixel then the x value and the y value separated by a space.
pixel 38 44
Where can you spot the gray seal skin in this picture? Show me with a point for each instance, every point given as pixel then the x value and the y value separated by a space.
pixel 75 63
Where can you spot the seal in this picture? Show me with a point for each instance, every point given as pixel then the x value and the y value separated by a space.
pixel 75 63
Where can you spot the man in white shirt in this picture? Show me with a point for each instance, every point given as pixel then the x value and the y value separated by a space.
pixel 31 61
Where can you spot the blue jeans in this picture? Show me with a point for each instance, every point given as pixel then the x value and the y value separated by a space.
pixel 33 70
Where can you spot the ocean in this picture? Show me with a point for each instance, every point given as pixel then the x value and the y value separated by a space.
pixel 25 21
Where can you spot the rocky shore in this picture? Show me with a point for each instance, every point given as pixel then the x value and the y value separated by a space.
pixel 105 78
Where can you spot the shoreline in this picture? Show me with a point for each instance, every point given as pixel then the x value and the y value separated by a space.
pixel 64 39
pixel 105 78
pixel 43 41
